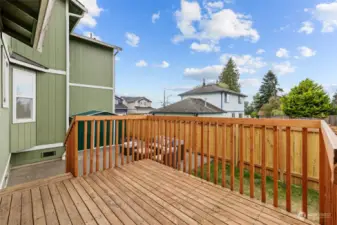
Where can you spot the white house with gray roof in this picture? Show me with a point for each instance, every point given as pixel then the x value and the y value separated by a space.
pixel 231 102
pixel 137 104
pixel 211 100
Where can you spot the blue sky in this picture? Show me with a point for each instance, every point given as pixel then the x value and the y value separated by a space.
pixel 173 44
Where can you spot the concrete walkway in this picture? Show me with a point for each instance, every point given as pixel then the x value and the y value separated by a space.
pixel 26 173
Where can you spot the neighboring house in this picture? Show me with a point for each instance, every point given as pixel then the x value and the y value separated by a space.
pixel 44 84
pixel 190 107
pixel 232 103
pixel 120 108
pixel 137 105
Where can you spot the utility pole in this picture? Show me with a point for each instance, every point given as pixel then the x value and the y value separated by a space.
pixel 164 104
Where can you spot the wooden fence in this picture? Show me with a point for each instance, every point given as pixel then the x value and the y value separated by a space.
pixel 167 128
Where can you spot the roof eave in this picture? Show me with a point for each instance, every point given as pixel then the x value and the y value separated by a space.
pixel 96 42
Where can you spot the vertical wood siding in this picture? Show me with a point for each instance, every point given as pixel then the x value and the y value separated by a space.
pixel 84 99
pixel 4 127
pixel 90 63
pixel 50 108
pixel 49 127
pixel 54 45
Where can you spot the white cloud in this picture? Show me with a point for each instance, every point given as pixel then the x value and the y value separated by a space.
pixel 91 35
pixel 283 68
pixel 155 17
pixel 326 13
pixel 141 63
pixel 190 12
pixel 283 28
pixel 245 63
pixel 215 5
pixel 306 52
pixel 250 82
pixel 282 53
pixel 132 39
pixel 212 26
pixel 204 47
pixel 260 51
pixel 93 11
pixel 164 64
pixel 330 88
pixel 208 72
pixel 307 27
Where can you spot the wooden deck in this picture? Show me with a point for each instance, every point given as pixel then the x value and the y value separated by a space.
pixel 143 192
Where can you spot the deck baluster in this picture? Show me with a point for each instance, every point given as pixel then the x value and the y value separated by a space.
pixel 85 148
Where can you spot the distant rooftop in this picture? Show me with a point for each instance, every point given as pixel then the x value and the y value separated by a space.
pixel 130 99
pixel 190 106
pixel 210 88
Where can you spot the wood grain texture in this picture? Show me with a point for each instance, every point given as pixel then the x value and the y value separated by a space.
pixel 288 169
pixel 85 142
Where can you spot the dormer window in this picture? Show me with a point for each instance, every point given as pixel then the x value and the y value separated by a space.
pixel 240 100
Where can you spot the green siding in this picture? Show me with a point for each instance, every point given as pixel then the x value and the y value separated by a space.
pixel 90 63
pixel 50 108
pixel 84 99
pixel 34 156
pixel 4 128
pixel 54 46
pixel 49 127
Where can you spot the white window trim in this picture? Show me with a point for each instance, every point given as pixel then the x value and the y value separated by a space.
pixel 15 120
pixel 5 79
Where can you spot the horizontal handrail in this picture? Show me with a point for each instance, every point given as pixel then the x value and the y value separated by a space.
pixel 330 143
pixel 100 118
pixel 246 121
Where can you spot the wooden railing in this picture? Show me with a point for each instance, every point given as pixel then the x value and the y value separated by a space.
pixel 193 144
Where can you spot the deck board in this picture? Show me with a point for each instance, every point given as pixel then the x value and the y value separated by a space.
pixel 143 192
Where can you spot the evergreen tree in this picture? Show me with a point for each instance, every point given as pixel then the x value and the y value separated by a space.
pixel 269 87
pixel 308 99
pixel 334 99
pixel 334 104
pixel 230 76
pixel 257 102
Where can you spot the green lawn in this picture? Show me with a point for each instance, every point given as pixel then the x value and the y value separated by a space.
pixel 296 191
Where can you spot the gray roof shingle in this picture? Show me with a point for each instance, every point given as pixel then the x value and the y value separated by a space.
pixel 210 88
pixel 190 106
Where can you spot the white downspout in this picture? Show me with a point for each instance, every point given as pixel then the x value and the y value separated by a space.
pixel 67 65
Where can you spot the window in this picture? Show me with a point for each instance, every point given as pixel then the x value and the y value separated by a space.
pixel 240 100
pixel 24 99
pixel 233 115
pixel 5 80
pixel 240 115
pixel 226 97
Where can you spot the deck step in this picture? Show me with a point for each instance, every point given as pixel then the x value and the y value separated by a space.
pixel 36 183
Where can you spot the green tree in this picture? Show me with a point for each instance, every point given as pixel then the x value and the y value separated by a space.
pixel 256 104
pixel 308 99
pixel 269 88
pixel 230 76
pixel 334 104
pixel 248 108
pixel 273 107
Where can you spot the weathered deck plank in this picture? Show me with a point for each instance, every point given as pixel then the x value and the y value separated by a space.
pixel 143 192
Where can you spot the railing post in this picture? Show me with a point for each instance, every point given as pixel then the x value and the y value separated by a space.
pixel 321 177
pixel 75 149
